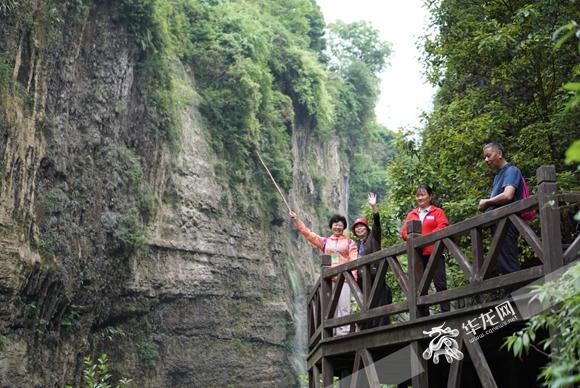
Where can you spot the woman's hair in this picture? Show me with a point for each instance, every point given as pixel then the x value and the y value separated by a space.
pixel 425 187
pixel 337 218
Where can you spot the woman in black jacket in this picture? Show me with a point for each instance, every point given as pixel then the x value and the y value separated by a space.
pixel 369 241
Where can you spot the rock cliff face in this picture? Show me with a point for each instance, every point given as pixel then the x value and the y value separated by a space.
pixel 112 241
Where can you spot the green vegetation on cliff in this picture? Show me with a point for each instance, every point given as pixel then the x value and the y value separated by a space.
pixel 255 64
pixel 106 81
pixel 261 68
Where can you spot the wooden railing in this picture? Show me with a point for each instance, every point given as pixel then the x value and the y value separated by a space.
pixel 464 243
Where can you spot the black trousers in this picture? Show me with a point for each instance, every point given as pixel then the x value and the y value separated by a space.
pixel 439 279
pixel 384 297
pixel 507 259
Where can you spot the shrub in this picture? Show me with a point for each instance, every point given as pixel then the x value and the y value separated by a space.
pixel 147 352
pixel 97 374
pixel 563 319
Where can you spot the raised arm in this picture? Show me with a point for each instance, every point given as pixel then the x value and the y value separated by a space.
pixel 314 239
pixel 376 230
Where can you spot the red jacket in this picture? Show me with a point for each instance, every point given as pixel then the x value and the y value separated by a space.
pixel 433 221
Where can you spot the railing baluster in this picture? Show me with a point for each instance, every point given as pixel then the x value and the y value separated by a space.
pixel 528 234
pixel 328 352
pixel 355 291
pixel 429 272
pixel 494 250
pixel 335 296
pixel 477 250
pixel 367 286
pixel 459 257
pixel 400 275
pixel 379 277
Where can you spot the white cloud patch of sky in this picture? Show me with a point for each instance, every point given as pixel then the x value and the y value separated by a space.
pixel 405 92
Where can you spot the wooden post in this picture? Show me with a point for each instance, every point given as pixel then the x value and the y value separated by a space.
pixel 327 373
pixel 551 229
pixel 549 219
pixel 415 265
pixel 310 318
pixel 313 377
pixel 325 261
pixel 325 293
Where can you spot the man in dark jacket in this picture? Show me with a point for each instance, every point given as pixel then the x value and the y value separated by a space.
pixel 369 241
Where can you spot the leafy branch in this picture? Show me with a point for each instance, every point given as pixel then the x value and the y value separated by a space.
pixel 563 321
pixel 97 374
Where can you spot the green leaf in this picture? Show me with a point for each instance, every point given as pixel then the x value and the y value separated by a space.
pixel 572 86
pixel 573 153
pixel 565 32
pixel 526 341
pixel 518 347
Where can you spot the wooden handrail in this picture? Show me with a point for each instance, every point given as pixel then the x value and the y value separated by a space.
pixel 460 228
pixel 514 278
pixel 396 250
pixel 476 265
pixel 394 308
pixel 479 221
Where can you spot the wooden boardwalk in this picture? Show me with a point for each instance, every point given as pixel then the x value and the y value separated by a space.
pixel 368 356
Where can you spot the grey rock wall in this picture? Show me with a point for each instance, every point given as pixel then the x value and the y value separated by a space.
pixel 212 296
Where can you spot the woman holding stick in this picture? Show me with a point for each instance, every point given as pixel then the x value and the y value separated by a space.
pixel 341 249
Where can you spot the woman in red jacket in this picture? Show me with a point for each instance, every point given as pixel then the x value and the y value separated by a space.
pixel 432 219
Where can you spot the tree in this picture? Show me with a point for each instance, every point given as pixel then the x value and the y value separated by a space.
pixel 356 42
pixel 357 55
pixel 499 79
pixel 368 168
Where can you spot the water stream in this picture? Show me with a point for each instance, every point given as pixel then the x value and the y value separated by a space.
pixel 300 342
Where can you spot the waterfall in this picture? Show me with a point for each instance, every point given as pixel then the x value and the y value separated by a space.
pixel 300 340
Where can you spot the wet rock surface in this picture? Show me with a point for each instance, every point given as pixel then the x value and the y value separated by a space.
pixel 111 241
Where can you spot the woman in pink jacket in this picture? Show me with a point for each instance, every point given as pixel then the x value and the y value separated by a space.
pixel 342 250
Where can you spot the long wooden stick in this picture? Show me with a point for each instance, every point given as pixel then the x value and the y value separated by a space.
pixel 273 181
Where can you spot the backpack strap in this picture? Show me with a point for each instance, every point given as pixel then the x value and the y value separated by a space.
pixel 525 190
pixel 529 214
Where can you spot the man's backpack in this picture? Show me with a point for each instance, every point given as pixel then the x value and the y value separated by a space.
pixel 529 214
